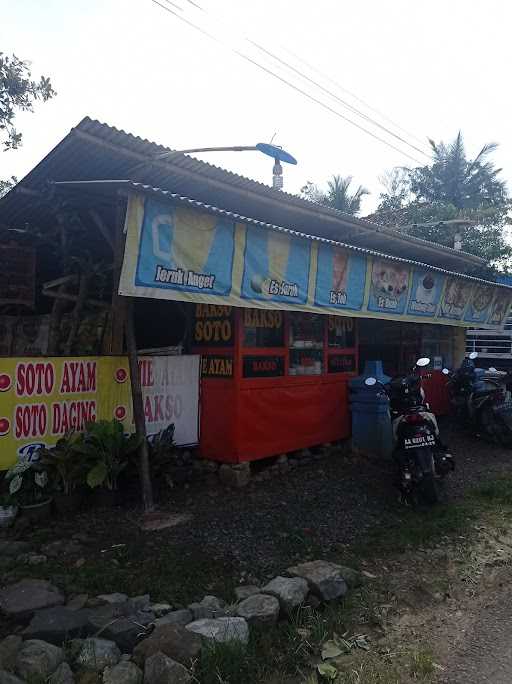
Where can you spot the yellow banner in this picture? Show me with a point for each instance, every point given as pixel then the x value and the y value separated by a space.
pixel 41 399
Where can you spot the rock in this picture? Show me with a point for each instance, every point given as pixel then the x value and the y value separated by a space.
pixel 209 607
pixel 31 558
pixel 324 578
pixel 77 602
pixel 9 648
pixel 313 601
pixel 140 603
pixel 9 678
pixel 233 477
pixel 113 599
pixel 62 675
pixel 160 609
pixel 13 548
pixel 260 610
pixel 222 629
pixel 97 654
pixel 116 626
pixel 291 592
pixel 122 673
pixel 176 617
pixel 38 659
pixel 160 669
pixel 20 600
pixel 172 640
pixel 353 578
pixel 245 591
pixel 58 624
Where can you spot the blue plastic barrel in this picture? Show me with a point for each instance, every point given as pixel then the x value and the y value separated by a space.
pixel 372 433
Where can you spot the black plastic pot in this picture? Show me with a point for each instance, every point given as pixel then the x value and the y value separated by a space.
pixel 38 512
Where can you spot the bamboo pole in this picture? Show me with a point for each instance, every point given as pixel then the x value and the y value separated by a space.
pixel 138 409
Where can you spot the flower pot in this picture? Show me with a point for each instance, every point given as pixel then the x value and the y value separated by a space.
pixel 7 515
pixel 106 498
pixel 38 512
pixel 68 503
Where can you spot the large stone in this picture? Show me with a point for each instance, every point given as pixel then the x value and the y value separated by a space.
pixel 113 599
pixel 97 654
pixel 160 669
pixel 113 623
pixel 9 648
pixel 37 658
pixel 122 673
pixel 20 600
pixel 61 547
pixel 31 558
pixel 291 592
pixel 78 602
pixel 233 476
pixel 58 624
pixel 175 617
pixel 324 579
pixel 245 591
pixel 160 609
pixel 209 607
pixel 9 678
pixel 260 610
pixel 138 603
pixel 62 675
pixel 221 630
pixel 172 640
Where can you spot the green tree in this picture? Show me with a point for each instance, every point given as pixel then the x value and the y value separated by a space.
pixel 6 185
pixel 18 93
pixel 451 195
pixel 338 195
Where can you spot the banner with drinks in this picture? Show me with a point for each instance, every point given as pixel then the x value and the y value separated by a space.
pixel 209 258
pixel 43 399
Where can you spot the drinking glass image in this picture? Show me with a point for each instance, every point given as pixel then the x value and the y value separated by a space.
pixel 278 252
pixel 339 271
pixel 191 238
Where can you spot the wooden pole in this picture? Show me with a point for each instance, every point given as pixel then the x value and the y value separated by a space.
pixel 138 410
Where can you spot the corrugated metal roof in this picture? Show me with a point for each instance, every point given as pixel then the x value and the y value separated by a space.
pixel 196 204
pixel 93 150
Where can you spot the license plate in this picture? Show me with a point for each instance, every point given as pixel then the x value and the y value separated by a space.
pixel 505 407
pixel 419 442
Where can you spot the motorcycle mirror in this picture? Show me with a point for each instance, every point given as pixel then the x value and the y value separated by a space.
pixel 473 355
pixel 445 371
pixel 370 382
pixel 424 361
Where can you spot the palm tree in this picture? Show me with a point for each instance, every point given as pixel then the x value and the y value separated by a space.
pixel 338 195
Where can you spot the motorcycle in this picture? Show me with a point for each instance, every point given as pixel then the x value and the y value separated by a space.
pixel 421 457
pixel 481 400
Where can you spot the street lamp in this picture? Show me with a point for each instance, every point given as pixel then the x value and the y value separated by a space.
pixel 277 153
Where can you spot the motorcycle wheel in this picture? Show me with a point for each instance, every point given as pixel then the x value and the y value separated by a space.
pixel 428 489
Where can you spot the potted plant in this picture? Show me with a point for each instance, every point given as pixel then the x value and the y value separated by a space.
pixel 28 485
pixel 107 451
pixel 66 467
pixel 8 510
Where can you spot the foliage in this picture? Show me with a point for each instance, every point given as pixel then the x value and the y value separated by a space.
pixel 469 193
pixel 163 453
pixel 338 194
pixel 28 483
pixel 18 93
pixel 65 465
pixel 6 500
pixel 107 451
pixel 6 185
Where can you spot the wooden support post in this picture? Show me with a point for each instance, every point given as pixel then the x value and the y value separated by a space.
pixel 138 410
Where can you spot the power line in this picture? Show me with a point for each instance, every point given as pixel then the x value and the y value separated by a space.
pixel 285 81
pixel 319 85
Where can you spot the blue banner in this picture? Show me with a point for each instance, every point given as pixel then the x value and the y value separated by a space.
pixel 340 278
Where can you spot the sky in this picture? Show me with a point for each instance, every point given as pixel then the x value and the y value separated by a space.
pixel 431 68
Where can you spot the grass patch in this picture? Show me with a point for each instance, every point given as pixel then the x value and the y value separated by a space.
pixel 497 492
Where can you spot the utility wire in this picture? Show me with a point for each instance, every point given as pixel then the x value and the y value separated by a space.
pixel 283 80
pixel 344 103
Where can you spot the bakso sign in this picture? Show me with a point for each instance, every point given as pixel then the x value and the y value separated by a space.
pixel 188 255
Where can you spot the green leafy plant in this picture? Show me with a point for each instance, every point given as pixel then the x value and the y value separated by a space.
pixel 107 451
pixel 7 500
pixel 28 483
pixel 67 467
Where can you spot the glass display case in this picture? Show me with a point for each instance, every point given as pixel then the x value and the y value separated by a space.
pixel 306 334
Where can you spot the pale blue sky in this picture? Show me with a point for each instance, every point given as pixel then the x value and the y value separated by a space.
pixel 433 67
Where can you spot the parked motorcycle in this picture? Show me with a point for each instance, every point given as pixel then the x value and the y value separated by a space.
pixel 421 457
pixel 481 400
